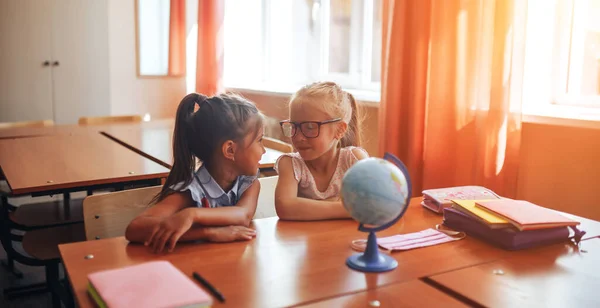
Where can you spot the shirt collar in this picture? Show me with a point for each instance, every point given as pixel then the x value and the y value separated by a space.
pixel 211 188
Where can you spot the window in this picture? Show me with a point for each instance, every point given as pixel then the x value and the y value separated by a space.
pixel 562 61
pixel 583 74
pixel 153 37
pixel 283 44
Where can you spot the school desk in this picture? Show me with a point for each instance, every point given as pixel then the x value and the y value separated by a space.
pixel 62 163
pixel 154 140
pixel 289 263
pixel 554 276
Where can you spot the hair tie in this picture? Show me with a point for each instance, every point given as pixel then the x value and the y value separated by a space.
pixel 200 99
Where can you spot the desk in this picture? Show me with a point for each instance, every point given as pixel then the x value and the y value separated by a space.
pixel 553 276
pixel 61 162
pixel 414 293
pixel 154 140
pixel 289 263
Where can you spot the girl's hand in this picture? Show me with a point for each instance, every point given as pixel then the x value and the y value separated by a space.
pixel 170 230
pixel 230 234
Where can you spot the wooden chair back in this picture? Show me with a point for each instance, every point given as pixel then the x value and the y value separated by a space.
pixel 41 123
pixel 110 120
pixel 277 145
pixel 107 215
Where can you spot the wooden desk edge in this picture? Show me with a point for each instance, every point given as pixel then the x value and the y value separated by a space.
pixel 83 184
pixel 136 150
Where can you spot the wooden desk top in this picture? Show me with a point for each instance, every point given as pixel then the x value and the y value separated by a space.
pixel 47 163
pixel 557 276
pixel 414 293
pixel 154 140
pixel 289 263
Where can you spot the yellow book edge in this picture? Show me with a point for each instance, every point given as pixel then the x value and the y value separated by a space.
pixel 469 207
pixel 96 296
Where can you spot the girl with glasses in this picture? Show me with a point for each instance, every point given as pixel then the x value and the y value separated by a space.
pixel 324 127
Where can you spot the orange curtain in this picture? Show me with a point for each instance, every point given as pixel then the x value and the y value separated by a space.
pixel 209 65
pixel 177 35
pixel 451 91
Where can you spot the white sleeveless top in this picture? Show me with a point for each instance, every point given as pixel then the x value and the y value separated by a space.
pixel 307 188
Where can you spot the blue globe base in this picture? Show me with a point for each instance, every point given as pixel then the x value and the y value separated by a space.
pixel 383 264
pixel 371 260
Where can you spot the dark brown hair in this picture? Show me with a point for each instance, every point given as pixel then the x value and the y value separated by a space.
pixel 199 134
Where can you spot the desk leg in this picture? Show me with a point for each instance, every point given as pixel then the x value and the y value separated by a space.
pixel 52 283
pixel 67 204
pixel 5 238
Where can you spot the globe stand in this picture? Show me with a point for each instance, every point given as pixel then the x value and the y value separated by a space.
pixel 371 260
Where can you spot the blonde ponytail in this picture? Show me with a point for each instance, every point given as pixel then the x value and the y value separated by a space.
pixel 352 136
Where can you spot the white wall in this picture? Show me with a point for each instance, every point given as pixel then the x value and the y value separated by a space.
pixel 130 94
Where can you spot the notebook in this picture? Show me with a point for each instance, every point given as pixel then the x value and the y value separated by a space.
pixel 468 207
pixel 152 284
pixel 440 198
pixel 507 238
pixel 526 215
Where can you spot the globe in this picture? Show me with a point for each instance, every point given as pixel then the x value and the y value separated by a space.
pixel 376 193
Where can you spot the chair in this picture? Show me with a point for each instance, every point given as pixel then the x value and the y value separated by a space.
pixel 110 120
pixel 27 220
pixel 277 145
pixel 105 215
pixel 266 198
pixel 108 215
pixel 41 247
pixel 33 216
pixel 41 123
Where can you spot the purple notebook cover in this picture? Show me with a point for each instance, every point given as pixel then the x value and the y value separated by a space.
pixel 506 238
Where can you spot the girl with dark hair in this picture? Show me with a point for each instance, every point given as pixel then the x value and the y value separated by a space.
pixel 217 200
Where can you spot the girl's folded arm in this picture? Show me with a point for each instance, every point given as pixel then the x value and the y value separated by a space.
pixel 291 207
pixel 141 228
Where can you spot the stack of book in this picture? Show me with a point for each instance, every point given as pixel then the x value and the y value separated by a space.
pixel 510 224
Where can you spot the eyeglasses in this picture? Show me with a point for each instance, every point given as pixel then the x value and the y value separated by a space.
pixel 310 129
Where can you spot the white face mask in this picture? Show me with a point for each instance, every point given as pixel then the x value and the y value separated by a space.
pixel 429 237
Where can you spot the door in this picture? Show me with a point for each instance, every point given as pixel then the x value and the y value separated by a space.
pixel 25 45
pixel 80 59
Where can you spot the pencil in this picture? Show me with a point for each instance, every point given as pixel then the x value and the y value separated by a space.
pixel 209 286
